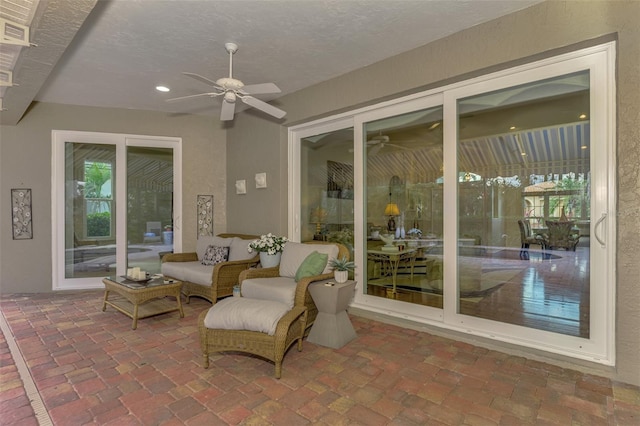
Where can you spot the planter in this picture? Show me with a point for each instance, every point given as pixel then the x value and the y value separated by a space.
pixel 167 237
pixel 269 260
pixel 341 276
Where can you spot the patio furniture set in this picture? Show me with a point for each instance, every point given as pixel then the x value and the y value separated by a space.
pixel 277 308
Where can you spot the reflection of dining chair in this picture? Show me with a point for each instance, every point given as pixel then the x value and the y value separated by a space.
pixel 560 234
pixel 527 237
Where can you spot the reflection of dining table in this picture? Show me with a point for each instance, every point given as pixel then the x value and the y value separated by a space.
pixel 393 259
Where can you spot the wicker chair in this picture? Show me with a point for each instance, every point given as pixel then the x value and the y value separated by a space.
pixel 290 328
pixel 561 235
pixel 224 276
pixel 302 296
pixel 527 238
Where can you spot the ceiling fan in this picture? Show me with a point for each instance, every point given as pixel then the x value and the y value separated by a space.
pixel 232 89
pixel 376 143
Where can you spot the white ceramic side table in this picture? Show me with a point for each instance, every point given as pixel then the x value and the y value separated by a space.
pixel 332 326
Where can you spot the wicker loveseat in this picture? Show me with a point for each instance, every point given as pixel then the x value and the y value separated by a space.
pixel 210 282
pixel 272 314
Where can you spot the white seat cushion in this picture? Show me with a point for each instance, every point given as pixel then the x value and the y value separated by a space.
pixel 295 253
pixel 240 313
pixel 194 272
pixel 277 289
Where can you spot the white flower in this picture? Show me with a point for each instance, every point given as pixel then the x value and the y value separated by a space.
pixel 268 243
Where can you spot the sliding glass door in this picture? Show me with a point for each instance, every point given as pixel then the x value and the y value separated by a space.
pixel 114 203
pixel 486 206
pixel 524 196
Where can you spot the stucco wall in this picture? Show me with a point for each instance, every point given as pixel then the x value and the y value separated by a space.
pixel 539 31
pixel 25 159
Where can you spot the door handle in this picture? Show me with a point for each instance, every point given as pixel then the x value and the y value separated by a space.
pixel 595 230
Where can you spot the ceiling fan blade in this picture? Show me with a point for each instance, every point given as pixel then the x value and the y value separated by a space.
pixel 399 146
pixel 210 94
pixel 263 106
pixel 228 110
pixel 202 79
pixel 260 89
pixel 376 149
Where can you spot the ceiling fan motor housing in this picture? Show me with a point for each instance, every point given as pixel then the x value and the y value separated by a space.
pixel 229 83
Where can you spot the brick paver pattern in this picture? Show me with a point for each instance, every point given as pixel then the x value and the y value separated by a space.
pixel 91 368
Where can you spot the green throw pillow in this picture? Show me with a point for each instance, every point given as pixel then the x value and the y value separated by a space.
pixel 312 265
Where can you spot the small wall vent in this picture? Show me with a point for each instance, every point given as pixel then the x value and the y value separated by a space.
pixel 6 78
pixel 13 33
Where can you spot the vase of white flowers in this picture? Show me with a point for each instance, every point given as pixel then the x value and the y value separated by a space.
pixel 270 248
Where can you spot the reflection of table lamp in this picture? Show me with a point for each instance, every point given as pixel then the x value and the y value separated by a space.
pixel 318 216
pixel 392 211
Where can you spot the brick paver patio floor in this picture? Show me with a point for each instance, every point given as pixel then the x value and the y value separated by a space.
pixel 89 367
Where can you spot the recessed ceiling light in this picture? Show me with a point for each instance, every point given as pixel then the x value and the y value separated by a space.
pixel 582 116
pixel 162 88
pixel 512 128
pixel 583 147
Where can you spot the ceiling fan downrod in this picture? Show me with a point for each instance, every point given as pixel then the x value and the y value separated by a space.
pixel 231 48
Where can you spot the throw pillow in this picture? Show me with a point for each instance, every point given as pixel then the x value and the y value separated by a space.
pixel 294 253
pixel 312 265
pixel 214 255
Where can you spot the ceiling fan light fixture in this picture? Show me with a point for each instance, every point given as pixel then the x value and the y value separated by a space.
pixel 230 97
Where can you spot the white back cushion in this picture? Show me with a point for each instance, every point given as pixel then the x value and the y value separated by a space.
pixel 204 242
pixel 239 249
pixel 294 253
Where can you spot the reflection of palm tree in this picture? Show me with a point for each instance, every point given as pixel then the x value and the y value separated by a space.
pixel 96 176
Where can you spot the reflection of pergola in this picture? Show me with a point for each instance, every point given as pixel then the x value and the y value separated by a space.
pixel 150 173
pixel 147 168
pixel 558 150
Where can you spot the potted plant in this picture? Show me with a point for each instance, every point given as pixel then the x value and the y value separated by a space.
pixel 270 248
pixel 341 268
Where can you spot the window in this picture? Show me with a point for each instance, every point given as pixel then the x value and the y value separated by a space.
pixel 98 195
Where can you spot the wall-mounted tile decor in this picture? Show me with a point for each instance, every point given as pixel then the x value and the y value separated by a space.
pixel 261 180
pixel 205 216
pixel 241 186
pixel 21 214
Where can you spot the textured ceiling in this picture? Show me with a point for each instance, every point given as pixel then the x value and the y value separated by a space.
pixel 127 47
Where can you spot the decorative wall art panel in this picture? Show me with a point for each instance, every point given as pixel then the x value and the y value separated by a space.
pixel 21 214
pixel 205 215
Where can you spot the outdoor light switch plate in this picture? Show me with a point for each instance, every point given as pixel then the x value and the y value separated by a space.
pixel 241 186
pixel 261 180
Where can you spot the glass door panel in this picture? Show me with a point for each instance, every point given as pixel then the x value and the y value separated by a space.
pixel 90 237
pixel 149 206
pixel 404 207
pixel 326 187
pixel 524 205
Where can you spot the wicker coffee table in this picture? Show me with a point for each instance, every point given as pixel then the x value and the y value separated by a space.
pixel 142 300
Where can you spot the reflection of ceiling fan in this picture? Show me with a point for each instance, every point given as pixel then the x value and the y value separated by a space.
pixel 232 89
pixel 376 143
